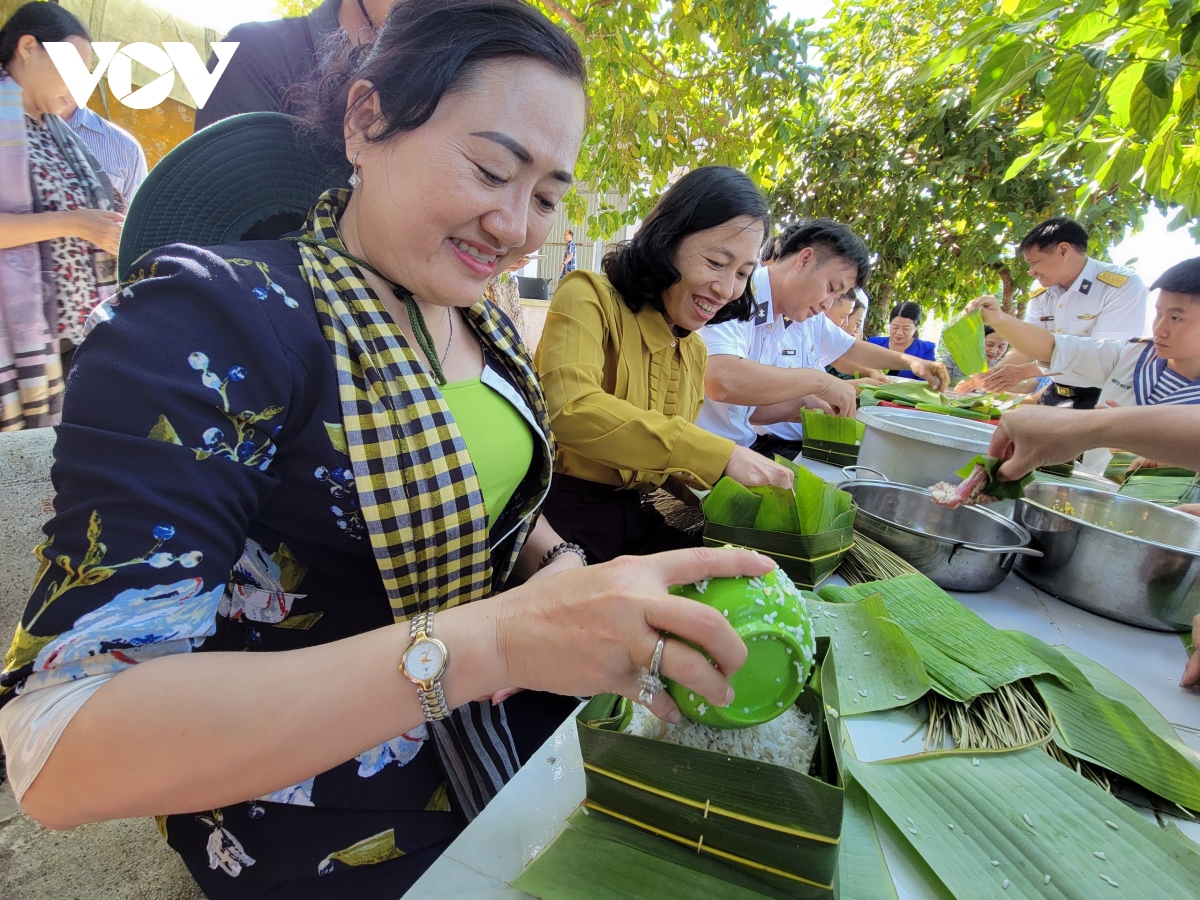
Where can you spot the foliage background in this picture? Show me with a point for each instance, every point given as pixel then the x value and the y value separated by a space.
pixel 941 130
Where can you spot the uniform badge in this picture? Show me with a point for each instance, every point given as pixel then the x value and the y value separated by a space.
pixel 1085 286
pixel 788 352
pixel 760 314
pixel 787 323
pixel 1037 293
pixel 1087 317
pixel 1113 279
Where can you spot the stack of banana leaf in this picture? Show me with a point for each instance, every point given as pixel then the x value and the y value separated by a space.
pixel 1004 710
pixel 831 439
pixel 1165 485
pixel 806 530
pixel 981 407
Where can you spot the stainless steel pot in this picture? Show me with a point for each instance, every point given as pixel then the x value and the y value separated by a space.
pixel 969 548
pixel 914 447
pixel 1150 578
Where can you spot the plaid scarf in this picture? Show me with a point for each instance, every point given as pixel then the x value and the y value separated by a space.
pixel 417 488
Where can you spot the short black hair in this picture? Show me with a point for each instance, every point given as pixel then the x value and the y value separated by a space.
pixel 1053 232
pixel 643 268
pixel 907 310
pixel 568 232
pixel 425 50
pixel 1181 278
pixel 988 329
pixel 829 239
pixel 44 21
pixel 858 304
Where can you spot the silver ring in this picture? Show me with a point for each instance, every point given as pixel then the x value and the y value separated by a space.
pixel 649 681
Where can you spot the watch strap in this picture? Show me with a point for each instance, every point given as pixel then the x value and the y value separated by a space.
pixel 433 701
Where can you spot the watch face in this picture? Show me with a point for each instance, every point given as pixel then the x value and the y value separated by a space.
pixel 424 660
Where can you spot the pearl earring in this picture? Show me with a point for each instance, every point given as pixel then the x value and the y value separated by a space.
pixel 355 179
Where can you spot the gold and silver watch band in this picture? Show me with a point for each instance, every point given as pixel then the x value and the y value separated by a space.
pixel 433 701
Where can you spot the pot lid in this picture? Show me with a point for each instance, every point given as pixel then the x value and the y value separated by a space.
pixel 930 428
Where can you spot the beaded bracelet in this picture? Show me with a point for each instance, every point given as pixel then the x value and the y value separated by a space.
pixel 558 550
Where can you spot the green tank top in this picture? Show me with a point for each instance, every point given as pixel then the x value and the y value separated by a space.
pixel 497 439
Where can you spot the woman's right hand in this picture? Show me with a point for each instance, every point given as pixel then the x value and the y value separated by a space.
pixel 98 226
pixel 753 469
pixel 592 630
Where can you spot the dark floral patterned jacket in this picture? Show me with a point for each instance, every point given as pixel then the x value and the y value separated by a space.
pixel 205 502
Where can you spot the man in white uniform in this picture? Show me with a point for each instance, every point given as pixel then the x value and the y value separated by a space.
pixel 766 370
pixel 1081 297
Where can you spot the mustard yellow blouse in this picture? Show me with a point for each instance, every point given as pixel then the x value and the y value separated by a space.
pixel 624 391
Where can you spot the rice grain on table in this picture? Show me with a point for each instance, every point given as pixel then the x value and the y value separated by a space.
pixel 789 740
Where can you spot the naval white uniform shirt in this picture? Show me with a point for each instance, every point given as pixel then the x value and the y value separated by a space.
pixel 1104 303
pixel 1129 373
pixel 772 340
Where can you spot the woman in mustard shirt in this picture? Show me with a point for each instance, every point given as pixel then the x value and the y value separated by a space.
pixel 623 368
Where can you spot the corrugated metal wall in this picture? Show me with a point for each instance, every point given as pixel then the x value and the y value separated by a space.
pixel 589 250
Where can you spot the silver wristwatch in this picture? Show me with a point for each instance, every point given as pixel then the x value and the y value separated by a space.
pixel 423 663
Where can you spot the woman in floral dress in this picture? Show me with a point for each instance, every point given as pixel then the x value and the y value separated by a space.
pixel 284 463
pixel 59 219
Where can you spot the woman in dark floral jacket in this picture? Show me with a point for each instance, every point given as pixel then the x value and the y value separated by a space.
pixel 276 464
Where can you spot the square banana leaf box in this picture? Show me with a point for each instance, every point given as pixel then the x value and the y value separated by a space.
pixel 808 559
pixel 779 826
pixel 831 452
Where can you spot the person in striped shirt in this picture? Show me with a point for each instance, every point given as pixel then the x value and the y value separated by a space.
pixel 118 152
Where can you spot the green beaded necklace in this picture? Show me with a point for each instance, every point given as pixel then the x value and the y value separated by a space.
pixel 420 331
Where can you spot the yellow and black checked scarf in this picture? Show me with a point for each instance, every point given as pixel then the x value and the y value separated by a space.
pixel 417 489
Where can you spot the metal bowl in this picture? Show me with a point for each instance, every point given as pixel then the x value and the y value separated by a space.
pixel 969 548
pixel 1150 578
pixel 915 447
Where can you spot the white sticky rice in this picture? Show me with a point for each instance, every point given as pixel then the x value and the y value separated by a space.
pixel 789 740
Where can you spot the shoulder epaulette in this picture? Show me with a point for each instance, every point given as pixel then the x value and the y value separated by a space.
pixel 1141 340
pixel 1037 293
pixel 1113 279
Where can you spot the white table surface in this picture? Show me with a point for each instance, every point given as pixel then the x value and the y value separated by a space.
pixel 532 808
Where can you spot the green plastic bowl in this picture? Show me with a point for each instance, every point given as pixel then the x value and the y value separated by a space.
pixel 770 616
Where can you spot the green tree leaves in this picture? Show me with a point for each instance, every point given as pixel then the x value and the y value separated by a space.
pixel 1071 87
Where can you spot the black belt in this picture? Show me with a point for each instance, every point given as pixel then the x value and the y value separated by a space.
pixel 1066 391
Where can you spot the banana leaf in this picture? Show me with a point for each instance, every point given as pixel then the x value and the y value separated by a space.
pixel 1001 490
pixel 819 426
pixel 729 503
pixel 1099 729
pixel 779 824
pixel 1118 469
pixel 877 666
pixel 964 340
pixel 818 503
pixel 975 415
pixel 1162 489
pixel 778 510
pixel 987 804
pixel 862 869
pixel 599 858
pixel 909 392
pixel 930 616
